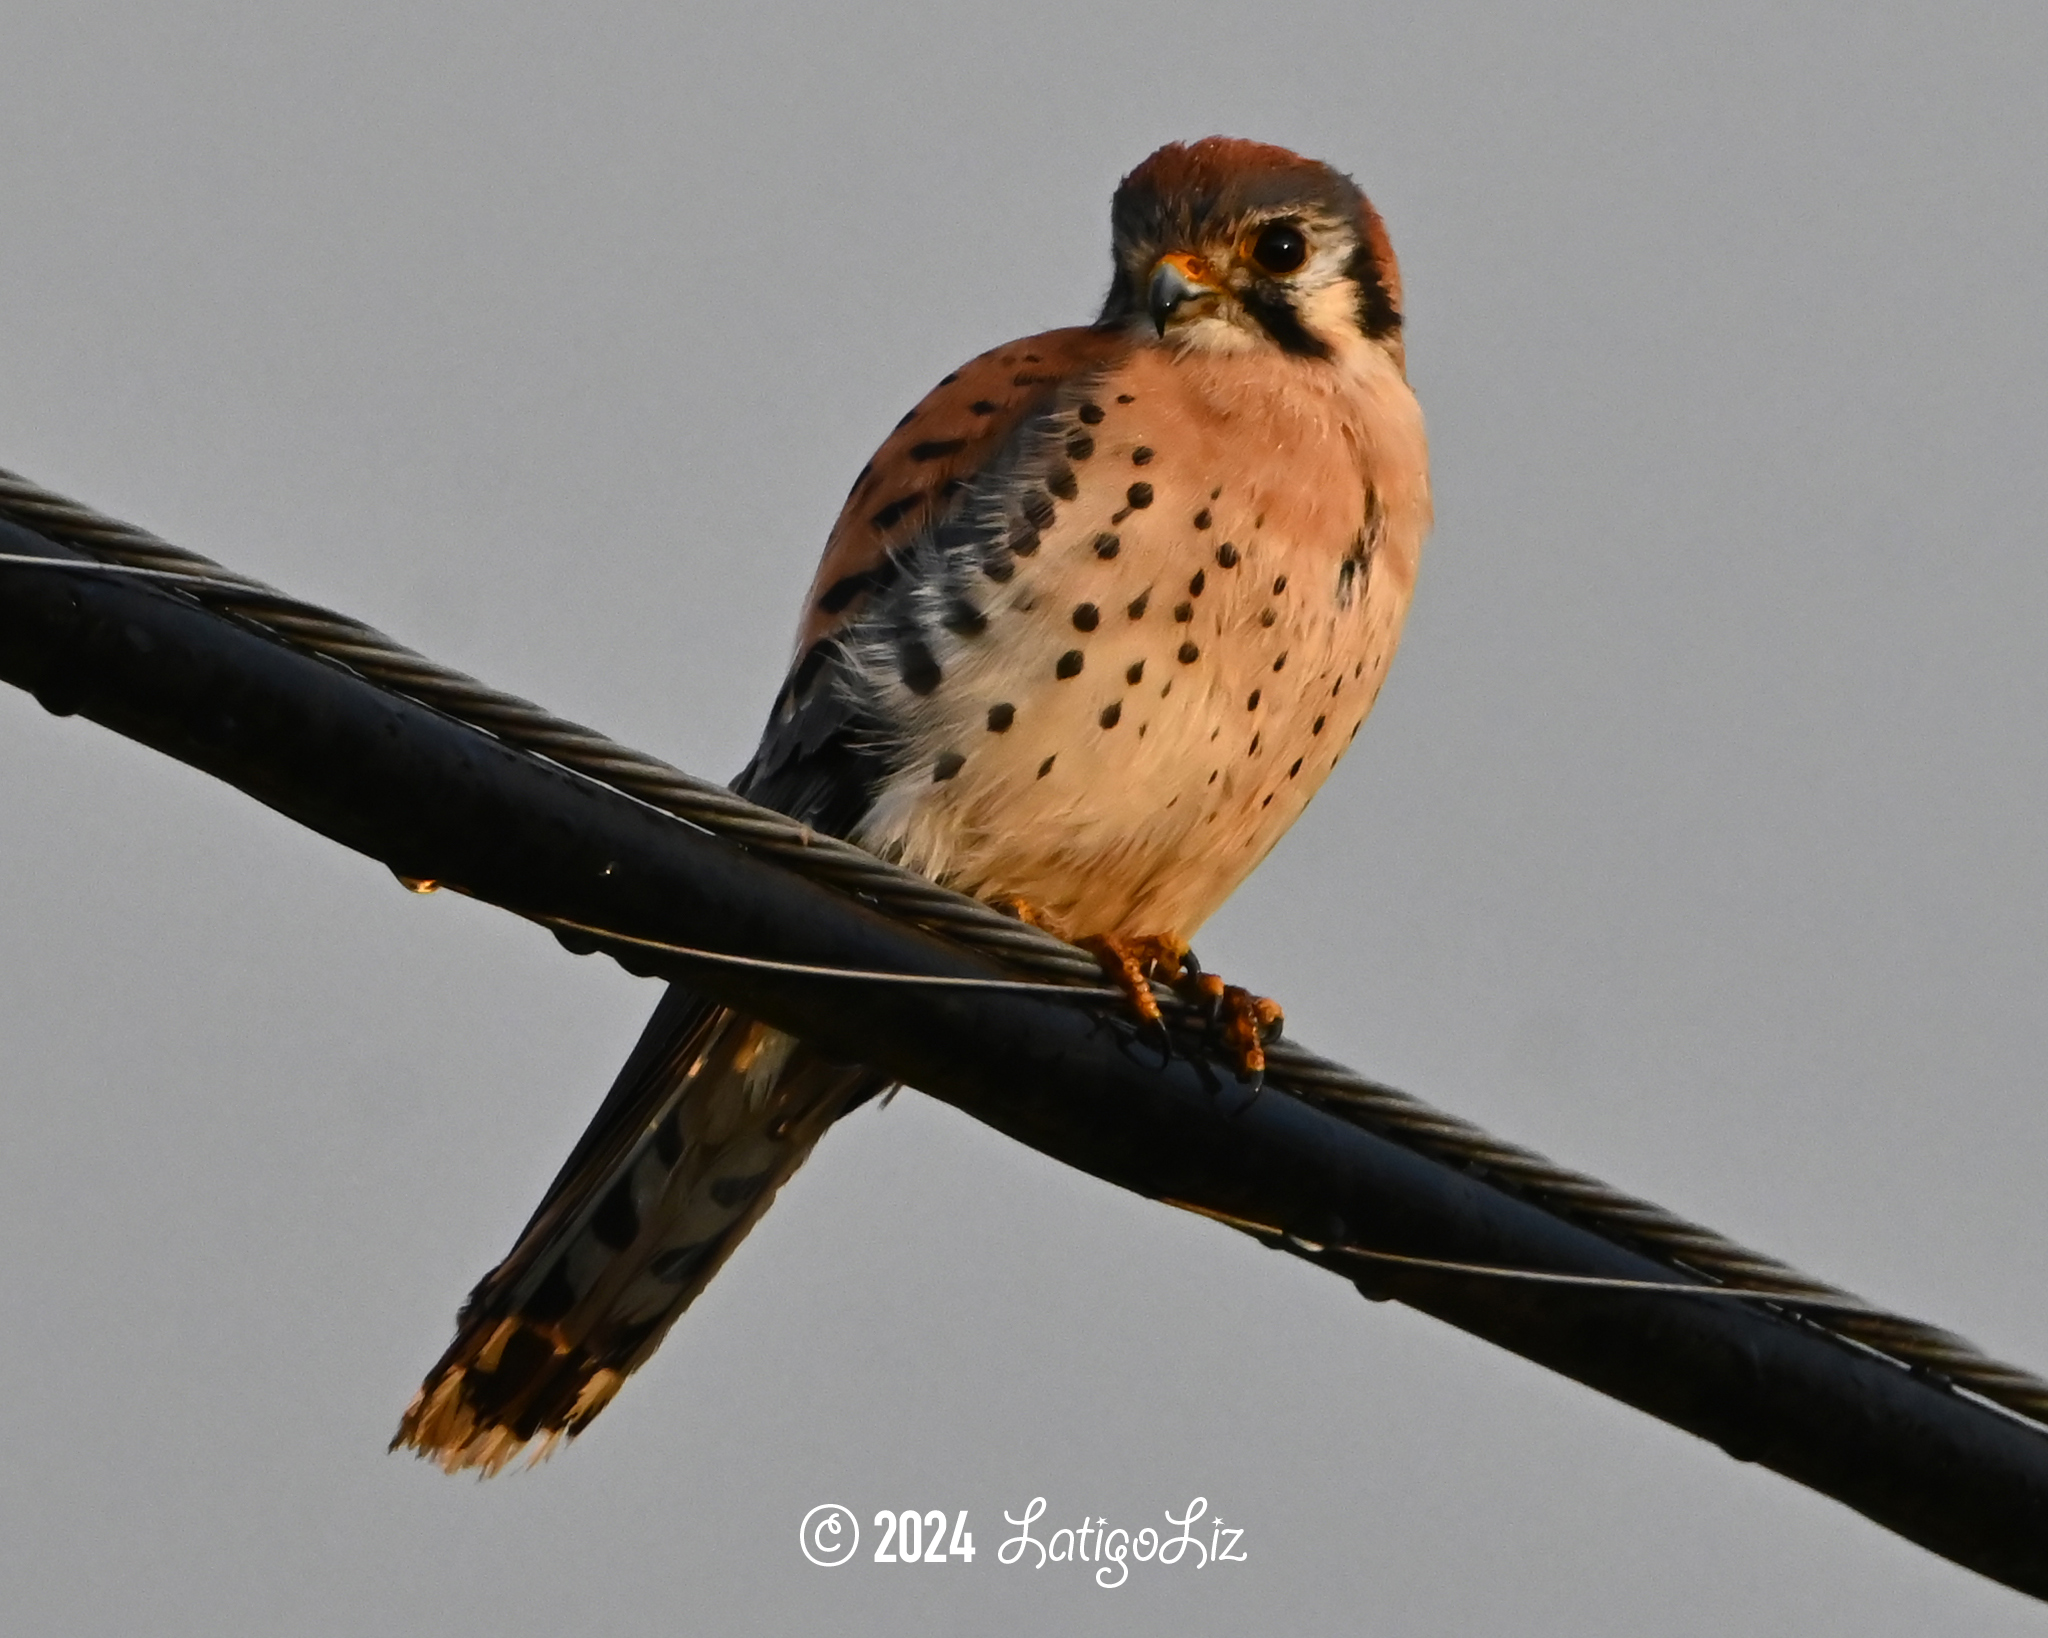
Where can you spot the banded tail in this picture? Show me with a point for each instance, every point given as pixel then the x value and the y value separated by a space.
pixel 708 1118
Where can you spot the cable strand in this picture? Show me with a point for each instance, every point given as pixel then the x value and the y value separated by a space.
pixel 1664 1236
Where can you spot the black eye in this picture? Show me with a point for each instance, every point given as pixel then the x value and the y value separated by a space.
pixel 1280 247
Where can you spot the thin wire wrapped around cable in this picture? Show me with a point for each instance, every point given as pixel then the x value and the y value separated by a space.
pixel 1666 1237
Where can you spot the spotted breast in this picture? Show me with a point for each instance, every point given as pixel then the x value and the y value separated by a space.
pixel 1095 623
pixel 1114 672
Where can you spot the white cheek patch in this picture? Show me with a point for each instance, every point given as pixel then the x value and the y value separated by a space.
pixel 1331 312
pixel 1320 292
pixel 1227 328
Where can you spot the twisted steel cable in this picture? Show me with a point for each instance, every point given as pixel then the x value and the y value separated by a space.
pixel 1667 1238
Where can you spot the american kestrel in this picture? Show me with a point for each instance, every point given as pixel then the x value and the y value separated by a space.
pixel 1094 624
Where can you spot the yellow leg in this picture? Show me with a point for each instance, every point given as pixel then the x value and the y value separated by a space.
pixel 1133 961
pixel 1243 1022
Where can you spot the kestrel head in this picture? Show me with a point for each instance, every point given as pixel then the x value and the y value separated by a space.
pixel 1228 245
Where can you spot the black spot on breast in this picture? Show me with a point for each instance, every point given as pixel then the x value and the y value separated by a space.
pixel 1040 511
pixel 1045 767
pixel 947 765
pixel 1137 608
pixel 1069 665
pixel 1202 519
pixel 998 566
pixel 1135 673
pixel 1347 581
pixel 1291 772
pixel 1139 495
pixel 917 666
pixel 859 478
pixel 1024 540
pixel 1252 704
pixel 1318 726
pixel 1091 413
pixel 1226 554
pixel 1000 717
pixel 1267 617
pixel 909 415
pixel 1032 378
pixel 1125 398
pixel 1200 580
pixel 1183 612
pixel 1087 617
pixel 1107 545
pixel 1080 446
pixel 1254 751
pixel 937 449
pixel 948 380
pixel 1061 482
pixel 1268 802
pixel 1218 490
pixel 1281 663
pixel 895 511
pixel 1279 584
pixel 984 406
pixel 1032 358
pixel 964 618
pixel 1189 654
pixel 1142 455
pixel 1112 714
pixel 843 591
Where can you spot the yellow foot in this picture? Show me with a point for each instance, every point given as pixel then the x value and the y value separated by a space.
pixel 1243 1022
pixel 1240 1022
pixel 1028 913
pixel 1134 961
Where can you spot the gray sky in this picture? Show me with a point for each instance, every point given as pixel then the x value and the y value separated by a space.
pixel 1696 841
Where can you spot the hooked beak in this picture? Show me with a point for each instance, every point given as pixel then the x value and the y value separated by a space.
pixel 1178 280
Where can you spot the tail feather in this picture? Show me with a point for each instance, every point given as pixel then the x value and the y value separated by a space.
pixel 710 1116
